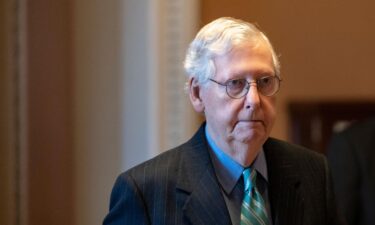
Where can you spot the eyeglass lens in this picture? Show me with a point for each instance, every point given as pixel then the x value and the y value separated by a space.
pixel 266 86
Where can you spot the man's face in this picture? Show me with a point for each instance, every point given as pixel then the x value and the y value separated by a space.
pixel 247 120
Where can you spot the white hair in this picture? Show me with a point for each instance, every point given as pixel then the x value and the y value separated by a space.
pixel 218 38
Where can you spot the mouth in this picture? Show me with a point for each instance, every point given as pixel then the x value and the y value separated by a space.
pixel 252 122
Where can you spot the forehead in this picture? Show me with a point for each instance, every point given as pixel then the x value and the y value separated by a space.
pixel 245 60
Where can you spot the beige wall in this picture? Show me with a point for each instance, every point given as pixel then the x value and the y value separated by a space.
pixel 48 168
pixel 97 105
pixel 35 95
pixel 326 47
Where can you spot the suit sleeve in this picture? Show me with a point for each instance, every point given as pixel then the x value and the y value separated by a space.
pixel 126 204
pixel 334 217
pixel 345 177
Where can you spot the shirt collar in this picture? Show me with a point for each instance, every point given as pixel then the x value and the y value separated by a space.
pixel 229 171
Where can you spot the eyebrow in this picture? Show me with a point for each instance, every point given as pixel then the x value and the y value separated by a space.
pixel 255 73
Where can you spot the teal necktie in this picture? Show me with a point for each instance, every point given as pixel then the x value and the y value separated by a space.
pixel 253 211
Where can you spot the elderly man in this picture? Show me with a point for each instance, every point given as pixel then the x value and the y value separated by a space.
pixel 230 171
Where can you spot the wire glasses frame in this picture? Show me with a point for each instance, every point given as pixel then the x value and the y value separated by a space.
pixel 238 88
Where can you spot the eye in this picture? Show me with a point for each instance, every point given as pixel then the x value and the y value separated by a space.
pixel 265 82
pixel 237 84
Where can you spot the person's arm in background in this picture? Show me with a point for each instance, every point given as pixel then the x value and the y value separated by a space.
pixel 346 177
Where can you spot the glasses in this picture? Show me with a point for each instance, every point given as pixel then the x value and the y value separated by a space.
pixel 237 88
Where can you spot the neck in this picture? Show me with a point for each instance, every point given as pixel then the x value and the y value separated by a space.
pixel 244 154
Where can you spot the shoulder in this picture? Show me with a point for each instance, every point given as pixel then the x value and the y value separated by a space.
pixel 144 187
pixel 356 139
pixel 164 164
pixel 299 166
pixel 168 164
pixel 284 158
pixel 360 131
pixel 285 149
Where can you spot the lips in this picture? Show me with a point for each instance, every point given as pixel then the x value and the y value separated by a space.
pixel 249 122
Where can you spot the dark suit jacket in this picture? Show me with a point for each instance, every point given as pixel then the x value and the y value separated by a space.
pixel 180 187
pixel 351 156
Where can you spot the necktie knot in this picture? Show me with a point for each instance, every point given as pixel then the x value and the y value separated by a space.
pixel 249 177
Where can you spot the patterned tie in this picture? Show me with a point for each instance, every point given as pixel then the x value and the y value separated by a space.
pixel 253 210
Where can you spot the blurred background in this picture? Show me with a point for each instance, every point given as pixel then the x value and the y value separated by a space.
pixel 89 88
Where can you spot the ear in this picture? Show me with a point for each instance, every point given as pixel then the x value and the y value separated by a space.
pixel 195 95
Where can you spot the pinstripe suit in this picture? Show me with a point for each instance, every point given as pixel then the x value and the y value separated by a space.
pixel 180 187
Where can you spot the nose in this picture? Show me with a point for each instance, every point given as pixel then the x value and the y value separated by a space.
pixel 252 99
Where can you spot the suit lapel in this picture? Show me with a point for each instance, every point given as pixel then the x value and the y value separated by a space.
pixel 198 188
pixel 205 204
pixel 284 186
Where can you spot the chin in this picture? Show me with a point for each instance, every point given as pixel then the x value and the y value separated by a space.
pixel 252 138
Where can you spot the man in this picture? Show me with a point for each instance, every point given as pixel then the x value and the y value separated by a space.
pixel 351 155
pixel 230 171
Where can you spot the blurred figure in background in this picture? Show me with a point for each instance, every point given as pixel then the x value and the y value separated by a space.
pixel 351 154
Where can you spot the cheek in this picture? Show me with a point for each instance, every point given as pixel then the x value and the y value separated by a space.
pixel 230 111
pixel 270 112
pixel 216 105
pixel 220 113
